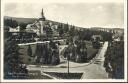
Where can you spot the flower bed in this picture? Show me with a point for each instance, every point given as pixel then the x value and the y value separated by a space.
pixel 64 75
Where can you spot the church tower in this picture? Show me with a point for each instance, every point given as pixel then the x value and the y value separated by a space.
pixel 42 15
pixel 42 21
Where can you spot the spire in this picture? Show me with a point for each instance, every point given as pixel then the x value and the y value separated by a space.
pixel 42 14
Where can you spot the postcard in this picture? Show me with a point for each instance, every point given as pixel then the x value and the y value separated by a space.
pixel 63 41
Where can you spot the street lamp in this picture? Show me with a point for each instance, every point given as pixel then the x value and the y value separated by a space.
pixel 69 54
pixel 68 63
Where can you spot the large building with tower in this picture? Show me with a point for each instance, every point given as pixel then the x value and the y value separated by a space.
pixel 38 25
pixel 43 27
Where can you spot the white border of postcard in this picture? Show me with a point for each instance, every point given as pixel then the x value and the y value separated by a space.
pixel 65 1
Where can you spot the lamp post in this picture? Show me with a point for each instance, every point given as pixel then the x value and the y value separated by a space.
pixel 68 57
pixel 68 63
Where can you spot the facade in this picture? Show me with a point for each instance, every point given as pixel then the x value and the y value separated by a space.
pixel 17 29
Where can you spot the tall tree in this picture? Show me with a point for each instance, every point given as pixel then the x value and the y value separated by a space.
pixel 29 51
pixel 13 61
pixel 81 52
pixel 60 29
pixel 72 31
pixel 14 24
pixel 66 28
pixel 23 25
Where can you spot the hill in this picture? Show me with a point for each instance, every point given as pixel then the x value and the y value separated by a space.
pixel 23 20
pixel 32 20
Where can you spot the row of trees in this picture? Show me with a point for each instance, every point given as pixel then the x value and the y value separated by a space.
pixel 84 34
pixel 62 28
pixel 76 52
pixel 114 60
pixel 45 54
pixel 10 22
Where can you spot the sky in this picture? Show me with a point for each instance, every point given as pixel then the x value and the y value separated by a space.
pixel 83 14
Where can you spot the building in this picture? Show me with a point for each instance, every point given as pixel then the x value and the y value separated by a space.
pixel 96 38
pixel 54 30
pixel 17 29
pixel 32 27
pixel 23 37
pixel 43 28
pixel 38 26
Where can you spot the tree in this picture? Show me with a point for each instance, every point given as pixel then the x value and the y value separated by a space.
pixel 11 23
pixel 60 29
pixel 55 57
pixel 72 31
pixel 14 24
pixel 76 53
pixel 55 53
pixel 87 35
pixel 8 22
pixel 23 25
pixel 81 52
pixel 29 51
pixel 66 28
pixel 38 53
pixel 47 54
pixel 48 31
pixel 13 61
pixel 96 44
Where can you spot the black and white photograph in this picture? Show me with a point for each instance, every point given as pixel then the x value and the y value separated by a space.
pixel 69 40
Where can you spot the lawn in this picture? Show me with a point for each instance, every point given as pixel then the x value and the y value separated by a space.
pixel 37 75
pixel 91 52
pixel 26 58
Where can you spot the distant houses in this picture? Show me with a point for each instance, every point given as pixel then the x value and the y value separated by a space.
pixel 112 30
pixel 21 36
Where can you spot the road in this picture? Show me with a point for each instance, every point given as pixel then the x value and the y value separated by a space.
pixel 95 70
pixel 22 44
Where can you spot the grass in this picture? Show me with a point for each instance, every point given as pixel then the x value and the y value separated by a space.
pixel 90 50
pixel 37 75
pixel 25 56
